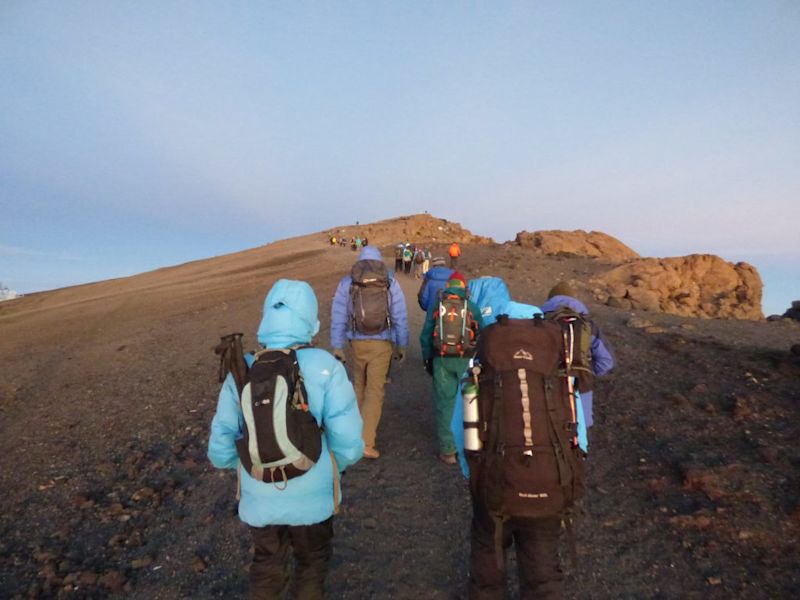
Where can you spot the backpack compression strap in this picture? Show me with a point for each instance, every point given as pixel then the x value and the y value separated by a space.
pixel 231 359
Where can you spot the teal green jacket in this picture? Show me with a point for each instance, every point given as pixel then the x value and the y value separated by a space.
pixel 426 337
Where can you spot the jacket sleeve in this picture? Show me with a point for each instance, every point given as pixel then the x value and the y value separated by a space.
pixel 339 314
pixel 226 427
pixel 426 337
pixel 602 357
pixel 341 419
pixel 398 314
pixel 422 295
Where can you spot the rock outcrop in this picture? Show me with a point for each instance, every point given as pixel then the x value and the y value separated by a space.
pixel 413 228
pixel 592 244
pixel 792 313
pixel 696 285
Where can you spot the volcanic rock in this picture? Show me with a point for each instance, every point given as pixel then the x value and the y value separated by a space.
pixel 592 244
pixel 697 285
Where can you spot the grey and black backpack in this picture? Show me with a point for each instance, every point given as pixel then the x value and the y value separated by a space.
pixel 369 297
pixel 282 439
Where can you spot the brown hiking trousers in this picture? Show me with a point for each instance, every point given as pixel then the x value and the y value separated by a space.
pixel 312 549
pixel 372 359
pixel 538 562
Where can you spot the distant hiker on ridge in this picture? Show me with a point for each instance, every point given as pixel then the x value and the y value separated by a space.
pixel 369 309
pixel 289 482
pixel 408 255
pixel 454 251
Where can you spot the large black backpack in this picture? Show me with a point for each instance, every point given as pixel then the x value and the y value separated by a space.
pixel 282 439
pixel 530 464
pixel 369 297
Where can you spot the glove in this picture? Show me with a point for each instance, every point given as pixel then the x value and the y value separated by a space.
pixel 338 354
pixel 429 366
pixel 400 354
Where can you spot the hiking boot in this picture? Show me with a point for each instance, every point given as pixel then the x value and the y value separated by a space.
pixel 448 459
pixel 370 452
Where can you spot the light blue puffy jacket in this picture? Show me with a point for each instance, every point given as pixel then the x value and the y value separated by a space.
pixel 341 310
pixel 290 319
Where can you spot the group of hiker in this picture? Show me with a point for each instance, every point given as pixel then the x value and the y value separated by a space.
pixel 356 242
pixel 512 399
pixel 410 258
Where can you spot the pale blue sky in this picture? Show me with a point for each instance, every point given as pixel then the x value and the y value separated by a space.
pixel 135 135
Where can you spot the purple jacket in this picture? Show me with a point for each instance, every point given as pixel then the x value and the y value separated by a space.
pixel 342 310
pixel 602 357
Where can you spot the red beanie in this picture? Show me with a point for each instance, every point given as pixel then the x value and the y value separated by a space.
pixel 457 280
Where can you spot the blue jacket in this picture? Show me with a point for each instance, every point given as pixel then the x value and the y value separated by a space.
pixel 435 279
pixel 290 319
pixel 602 357
pixel 342 309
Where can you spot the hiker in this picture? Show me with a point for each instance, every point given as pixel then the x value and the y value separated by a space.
pixel 426 260
pixel 408 254
pixel 448 342
pixel 562 295
pixel 433 281
pixel 454 251
pixel 358 243
pixel 398 257
pixel 365 241
pixel 525 463
pixel 419 258
pixel 282 510
pixel 353 246
pixel 369 309
pixel 333 240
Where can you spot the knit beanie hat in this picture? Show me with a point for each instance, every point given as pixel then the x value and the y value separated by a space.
pixel 438 262
pixel 562 288
pixel 457 280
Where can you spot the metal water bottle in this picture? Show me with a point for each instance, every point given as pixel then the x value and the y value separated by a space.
pixel 469 395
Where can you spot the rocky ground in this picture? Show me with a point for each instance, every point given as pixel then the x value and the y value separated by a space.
pixel 107 392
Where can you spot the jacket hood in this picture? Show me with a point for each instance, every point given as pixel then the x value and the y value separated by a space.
pixel 370 253
pixel 290 315
pixel 568 301
pixel 518 310
pixel 439 273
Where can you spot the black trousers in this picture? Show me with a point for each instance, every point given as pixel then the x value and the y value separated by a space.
pixel 312 549
pixel 538 562
pixel 398 265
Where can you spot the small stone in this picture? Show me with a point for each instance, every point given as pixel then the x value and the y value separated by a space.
pixel 113 580
pixel 714 580
pixel 141 562
pixel 654 329
pixel 199 565
pixel 639 323
pixel 678 399
pixel 370 523
pixel 87 578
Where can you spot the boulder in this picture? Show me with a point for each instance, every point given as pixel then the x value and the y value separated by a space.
pixel 697 285
pixel 592 244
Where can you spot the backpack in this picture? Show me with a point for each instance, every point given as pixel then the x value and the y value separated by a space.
pixel 407 255
pixel 455 328
pixel 369 297
pixel 419 258
pixel 577 330
pixel 282 439
pixel 530 464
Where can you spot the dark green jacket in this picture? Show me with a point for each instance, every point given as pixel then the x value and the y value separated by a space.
pixel 426 337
